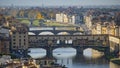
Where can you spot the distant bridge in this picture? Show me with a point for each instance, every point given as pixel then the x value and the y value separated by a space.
pixel 69 30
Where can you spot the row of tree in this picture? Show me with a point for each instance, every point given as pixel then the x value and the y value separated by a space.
pixel 28 13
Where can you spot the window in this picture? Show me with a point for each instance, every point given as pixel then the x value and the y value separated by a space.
pixel 19 44
pixel 13 39
pixel 13 36
pixel 20 40
pixel 14 46
pixel 24 43
pixel 19 36
pixel 14 43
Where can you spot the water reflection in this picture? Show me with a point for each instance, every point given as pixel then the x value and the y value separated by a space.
pixel 85 62
pixel 87 52
pixel 37 52
pixel 79 61
pixel 68 57
pixel 61 53
pixel 91 53
pixel 64 56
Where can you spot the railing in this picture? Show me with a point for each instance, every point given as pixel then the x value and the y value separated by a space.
pixel 114 39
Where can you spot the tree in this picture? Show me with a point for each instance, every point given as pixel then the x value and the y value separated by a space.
pixel 39 16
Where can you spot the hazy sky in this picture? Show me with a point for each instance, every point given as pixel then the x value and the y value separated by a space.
pixel 58 2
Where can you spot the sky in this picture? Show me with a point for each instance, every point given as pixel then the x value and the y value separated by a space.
pixel 58 2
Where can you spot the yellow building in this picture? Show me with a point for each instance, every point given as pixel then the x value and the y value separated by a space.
pixel 93 31
pixel 104 30
pixel 117 31
pixel 16 63
pixel 111 30
pixel 19 37
pixel 88 21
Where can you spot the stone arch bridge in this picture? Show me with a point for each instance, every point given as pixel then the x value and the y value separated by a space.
pixel 55 30
pixel 79 42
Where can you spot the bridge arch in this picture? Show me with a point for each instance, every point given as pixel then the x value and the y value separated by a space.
pixel 90 53
pixel 59 52
pixel 63 48
pixel 37 52
pixel 46 33
pixel 97 48
pixel 63 33
pixel 31 33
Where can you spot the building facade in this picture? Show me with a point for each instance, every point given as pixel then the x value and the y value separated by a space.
pixel 4 45
pixel 117 31
pixel 88 21
pixel 71 19
pixel 19 37
pixel 4 40
pixel 60 17
pixel 108 28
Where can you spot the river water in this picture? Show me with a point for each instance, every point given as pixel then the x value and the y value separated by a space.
pixel 68 57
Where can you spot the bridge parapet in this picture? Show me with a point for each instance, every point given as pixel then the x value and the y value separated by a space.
pixel 69 39
pixel 114 43
pixel 114 39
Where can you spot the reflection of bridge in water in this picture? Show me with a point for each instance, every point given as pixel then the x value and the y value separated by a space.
pixel 102 43
pixel 84 60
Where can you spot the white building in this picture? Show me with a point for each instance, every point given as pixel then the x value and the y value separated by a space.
pixel 72 19
pixel 59 17
pixel 98 28
pixel 88 21
pixel 65 18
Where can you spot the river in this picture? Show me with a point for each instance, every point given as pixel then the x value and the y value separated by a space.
pixel 68 57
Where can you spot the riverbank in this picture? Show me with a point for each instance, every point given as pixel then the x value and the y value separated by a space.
pixel 116 61
pixel 110 56
pixel 113 58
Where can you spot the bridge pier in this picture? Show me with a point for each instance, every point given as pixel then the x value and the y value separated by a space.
pixel 79 50
pixel 49 51
pixel 31 22
pixel 107 51
pixel 116 51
